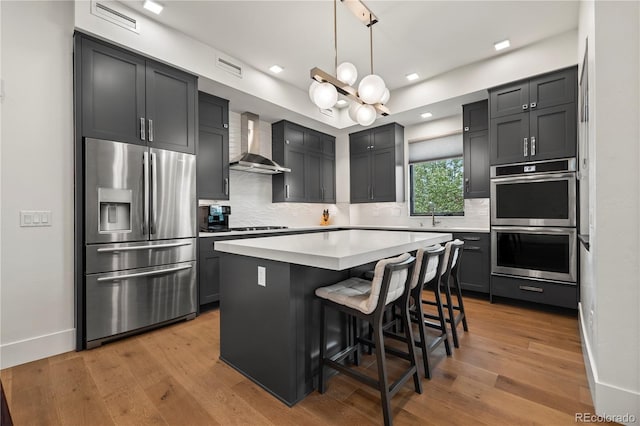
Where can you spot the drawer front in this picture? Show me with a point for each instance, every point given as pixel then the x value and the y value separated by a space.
pixel 120 256
pixel 548 293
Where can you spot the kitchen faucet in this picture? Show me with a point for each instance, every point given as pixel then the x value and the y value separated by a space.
pixel 434 222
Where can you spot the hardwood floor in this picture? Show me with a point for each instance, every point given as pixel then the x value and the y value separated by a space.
pixel 516 365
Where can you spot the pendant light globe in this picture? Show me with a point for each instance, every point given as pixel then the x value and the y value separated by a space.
pixel 385 96
pixel 366 115
pixel 353 110
pixel 371 89
pixel 312 88
pixel 325 96
pixel 347 73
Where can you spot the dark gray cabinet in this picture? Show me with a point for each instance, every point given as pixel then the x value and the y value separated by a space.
pixel 212 161
pixel 128 98
pixel 476 149
pixel 376 159
pixel 209 272
pixel 311 157
pixel 475 269
pixel 534 119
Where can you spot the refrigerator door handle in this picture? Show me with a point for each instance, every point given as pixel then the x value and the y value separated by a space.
pixel 154 193
pixel 145 178
pixel 148 247
pixel 143 274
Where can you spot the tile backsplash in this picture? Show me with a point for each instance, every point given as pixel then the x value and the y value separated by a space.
pixel 476 215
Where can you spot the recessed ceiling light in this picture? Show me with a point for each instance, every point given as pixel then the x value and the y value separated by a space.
pixel 153 6
pixel 412 76
pixel 277 69
pixel 341 103
pixel 502 44
pixel 426 115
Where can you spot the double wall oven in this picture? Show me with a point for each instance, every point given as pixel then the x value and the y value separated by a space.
pixel 533 221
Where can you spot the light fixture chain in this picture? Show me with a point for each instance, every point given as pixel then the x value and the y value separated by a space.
pixel 335 36
pixel 371 41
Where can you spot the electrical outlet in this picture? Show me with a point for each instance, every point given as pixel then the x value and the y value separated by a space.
pixel 262 276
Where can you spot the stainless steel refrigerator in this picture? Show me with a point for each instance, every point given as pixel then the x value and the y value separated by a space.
pixel 140 238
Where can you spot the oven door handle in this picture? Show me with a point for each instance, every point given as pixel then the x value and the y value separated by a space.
pixel 534 230
pixel 535 177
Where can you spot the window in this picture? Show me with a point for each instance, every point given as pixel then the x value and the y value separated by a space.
pixel 437 185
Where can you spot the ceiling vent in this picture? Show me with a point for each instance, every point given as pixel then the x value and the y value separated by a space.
pixel 108 13
pixel 229 66
pixel 327 111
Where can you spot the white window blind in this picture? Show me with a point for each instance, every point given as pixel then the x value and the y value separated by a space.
pixel 436 149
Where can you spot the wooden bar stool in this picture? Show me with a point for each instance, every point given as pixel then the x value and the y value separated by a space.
pixel 450 278
pixel 366 300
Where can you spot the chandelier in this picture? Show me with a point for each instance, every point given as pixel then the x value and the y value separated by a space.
pixel 372 94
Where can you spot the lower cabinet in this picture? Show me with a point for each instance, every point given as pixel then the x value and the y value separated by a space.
pixel 544 292
pixel 475 269
pixel 209 272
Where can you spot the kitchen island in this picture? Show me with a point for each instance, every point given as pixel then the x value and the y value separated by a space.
pixel 269 315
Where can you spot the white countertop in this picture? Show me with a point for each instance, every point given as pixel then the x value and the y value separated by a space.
pixel 337 250
pixel 315 228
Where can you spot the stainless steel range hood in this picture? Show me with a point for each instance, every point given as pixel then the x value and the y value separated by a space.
pixel 250 160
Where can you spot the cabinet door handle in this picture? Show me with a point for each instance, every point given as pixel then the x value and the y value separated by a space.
pixel 225 125
pixel 150 130
pixel 533 104
pixel 525 148
pixel 533 289
pixel 286 191
pixel 142 135
pixel 533 146
pixel 466 129
pixel 525 107
pixel 466 185
pixel 323 193
pixel 372 192
pixel 471 248
pixel 287 142
pixel 470 238
pixel 226 186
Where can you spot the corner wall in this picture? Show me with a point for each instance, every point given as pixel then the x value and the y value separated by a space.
pixel 37 302
pixel 610 282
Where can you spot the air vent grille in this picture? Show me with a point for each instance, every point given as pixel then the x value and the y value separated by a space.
pixel 229 66
pixel 101 10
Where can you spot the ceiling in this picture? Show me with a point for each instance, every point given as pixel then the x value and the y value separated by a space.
pixel 425 37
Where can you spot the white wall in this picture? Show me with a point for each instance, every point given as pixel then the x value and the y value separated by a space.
pixel 611 286
pixel 37 311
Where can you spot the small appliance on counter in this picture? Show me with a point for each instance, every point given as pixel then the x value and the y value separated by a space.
pixel 214 218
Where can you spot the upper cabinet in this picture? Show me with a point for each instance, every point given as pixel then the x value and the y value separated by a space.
pixel 311 157
pixel 212 161
pixel 475 137
pixel 128 98
pixel 377 164
pixel 534 119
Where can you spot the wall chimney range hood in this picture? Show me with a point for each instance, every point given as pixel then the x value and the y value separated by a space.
pixel 250 160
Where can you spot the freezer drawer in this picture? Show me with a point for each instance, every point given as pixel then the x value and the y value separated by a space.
pixel 120 302
pixel 119 256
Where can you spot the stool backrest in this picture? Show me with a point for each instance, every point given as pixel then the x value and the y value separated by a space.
pixel 451 256
pixel 389 279
pixel 427 261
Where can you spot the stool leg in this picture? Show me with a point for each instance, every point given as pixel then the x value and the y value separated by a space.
pixel 323 348
pixel 423 337
pixel 382 372
pixel 356 336
pixel 406 324
pixel 460 304
pixel 452 318
pixel 443 321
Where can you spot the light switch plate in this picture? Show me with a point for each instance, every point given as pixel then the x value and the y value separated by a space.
pixel 262 276
pixel 35 218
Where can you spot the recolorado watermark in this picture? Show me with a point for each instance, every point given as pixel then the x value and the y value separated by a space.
pixel 596 418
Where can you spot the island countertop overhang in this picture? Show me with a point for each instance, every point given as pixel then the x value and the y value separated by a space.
pixel 335 250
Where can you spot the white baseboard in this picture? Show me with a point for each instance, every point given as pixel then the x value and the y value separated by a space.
pixel 608 399
pixel 35 348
